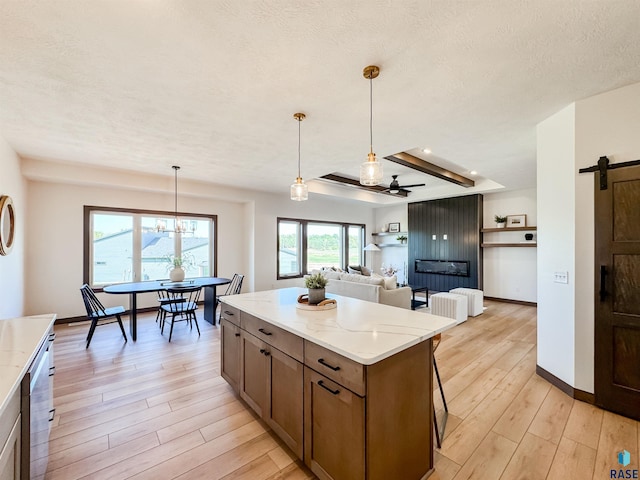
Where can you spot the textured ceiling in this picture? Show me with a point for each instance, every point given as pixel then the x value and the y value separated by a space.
pixel 212 85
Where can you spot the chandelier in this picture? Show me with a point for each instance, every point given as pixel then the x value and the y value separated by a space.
pixel 371 169
pixel 180 226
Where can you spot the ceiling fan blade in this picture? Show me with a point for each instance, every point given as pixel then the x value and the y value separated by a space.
pixel 414 185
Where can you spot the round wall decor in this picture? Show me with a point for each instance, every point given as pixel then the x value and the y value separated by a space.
pixel 7 224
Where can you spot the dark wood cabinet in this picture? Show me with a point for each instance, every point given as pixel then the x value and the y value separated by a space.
pixel 254 377
pixel 271 381
pixel 335 429
pixel 230 361
pixel 284 405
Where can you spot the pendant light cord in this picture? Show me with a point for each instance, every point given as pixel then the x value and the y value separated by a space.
pixel 371 112
pixel 299 121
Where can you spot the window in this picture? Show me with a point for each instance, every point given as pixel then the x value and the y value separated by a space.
pixel 124 246
pixel 305 245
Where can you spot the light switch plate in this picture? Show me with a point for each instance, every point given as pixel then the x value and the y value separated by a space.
pixel 561 277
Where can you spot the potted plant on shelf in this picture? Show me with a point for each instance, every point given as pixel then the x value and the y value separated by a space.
pixel 500 221
pixel 178 264
pixel 402 238
pixel 315 283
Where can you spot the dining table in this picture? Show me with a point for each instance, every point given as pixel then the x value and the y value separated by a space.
pixel 134 288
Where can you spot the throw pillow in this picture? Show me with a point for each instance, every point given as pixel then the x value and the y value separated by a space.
pixel 354 270
pixel 391 283
pixel 366 271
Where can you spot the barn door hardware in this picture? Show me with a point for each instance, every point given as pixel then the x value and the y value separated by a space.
pixel 602 167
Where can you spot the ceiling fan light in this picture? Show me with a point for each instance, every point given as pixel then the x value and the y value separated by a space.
pixel 299 190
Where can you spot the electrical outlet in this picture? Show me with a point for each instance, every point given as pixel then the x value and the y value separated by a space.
pixel 561 277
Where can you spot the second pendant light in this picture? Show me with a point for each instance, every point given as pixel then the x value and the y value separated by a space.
pixel 299 189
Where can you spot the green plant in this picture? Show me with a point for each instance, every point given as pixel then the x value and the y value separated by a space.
pixel 402 238
pixel 500 219
pixel 185 261
pixel 316 280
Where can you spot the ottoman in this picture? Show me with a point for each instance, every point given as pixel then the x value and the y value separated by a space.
pixel 449 305
pixel 475 298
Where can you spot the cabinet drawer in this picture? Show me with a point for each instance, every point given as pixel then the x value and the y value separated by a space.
pixel 340 369
pixel 284 341
pixel 231 314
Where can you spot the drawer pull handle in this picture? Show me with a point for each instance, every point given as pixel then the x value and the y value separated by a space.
pixel 322 362
pixel 52 371
pixel 52 414
pixel 334 392
pixel 262 330
pixel 227 312
pixel 266 353
pixel 237 334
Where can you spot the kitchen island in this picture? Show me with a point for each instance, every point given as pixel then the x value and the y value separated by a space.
pixel 349 390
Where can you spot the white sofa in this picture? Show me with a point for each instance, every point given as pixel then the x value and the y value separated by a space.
pixel 367 288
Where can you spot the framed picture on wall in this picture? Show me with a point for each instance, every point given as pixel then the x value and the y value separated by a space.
pixel 394 227
pixel 514 221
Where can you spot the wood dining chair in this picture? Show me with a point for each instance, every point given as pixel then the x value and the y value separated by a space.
pixel 232 289
pixel 96 312
pixel 182 302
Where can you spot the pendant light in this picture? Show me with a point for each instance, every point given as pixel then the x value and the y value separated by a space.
pixel 180 226
pixel 299 189
pixel 371 169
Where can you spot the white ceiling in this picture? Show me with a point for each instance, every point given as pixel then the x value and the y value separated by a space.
pixel 212 85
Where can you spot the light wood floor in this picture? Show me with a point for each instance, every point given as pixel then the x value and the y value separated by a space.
pixel 154 410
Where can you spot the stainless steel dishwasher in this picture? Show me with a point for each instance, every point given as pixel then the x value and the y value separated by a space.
pixel 37 411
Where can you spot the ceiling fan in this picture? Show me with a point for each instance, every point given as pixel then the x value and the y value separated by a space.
pixel 395 187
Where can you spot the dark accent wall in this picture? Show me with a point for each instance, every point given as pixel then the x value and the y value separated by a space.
pixel 460 218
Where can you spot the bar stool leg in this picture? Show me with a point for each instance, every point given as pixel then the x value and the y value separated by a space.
pixel 439 431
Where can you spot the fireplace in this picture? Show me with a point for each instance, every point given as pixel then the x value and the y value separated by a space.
pixel 456 268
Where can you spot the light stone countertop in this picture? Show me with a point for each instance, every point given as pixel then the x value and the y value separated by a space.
pixel 365 332
pixel 19 342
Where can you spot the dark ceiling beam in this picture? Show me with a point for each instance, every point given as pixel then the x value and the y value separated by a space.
pixel 356 183
pixel 423 166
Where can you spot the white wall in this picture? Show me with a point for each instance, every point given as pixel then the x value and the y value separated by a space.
pixel 55 262
pixel 556 244
pixel 12 280
pixel 246 228
pixel 395 256
pixel 575 138
pixel 508 272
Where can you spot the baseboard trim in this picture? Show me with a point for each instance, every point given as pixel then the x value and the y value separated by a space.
pixel 507 300
pixel 565 387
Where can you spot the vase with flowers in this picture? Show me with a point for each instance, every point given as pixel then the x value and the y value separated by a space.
pixel 178 264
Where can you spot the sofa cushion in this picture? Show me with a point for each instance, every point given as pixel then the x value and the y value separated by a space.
pixel 331 275
pixel 351 277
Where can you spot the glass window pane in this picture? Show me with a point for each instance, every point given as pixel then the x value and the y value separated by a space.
pixel 196 247
pixel 112 237
pixel 324 246
pixel 289 254
pixel 355 245
pixel 156 248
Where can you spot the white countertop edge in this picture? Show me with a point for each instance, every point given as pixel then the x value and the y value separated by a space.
pixel 444 323
pixel 16 381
